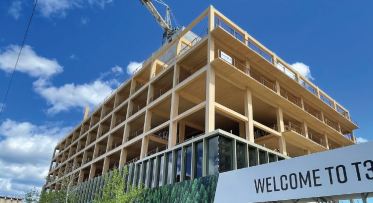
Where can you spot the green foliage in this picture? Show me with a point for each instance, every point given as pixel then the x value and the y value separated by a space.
pixel 191 191
pixel 34 196
pixel 114 189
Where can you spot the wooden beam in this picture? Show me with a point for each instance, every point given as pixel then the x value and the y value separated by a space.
pixel 157 139
pixel 190 98
pixel 190 111
pixel 265 128
pixel 230 113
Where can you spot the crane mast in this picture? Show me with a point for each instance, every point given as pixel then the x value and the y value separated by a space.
pixel 164 23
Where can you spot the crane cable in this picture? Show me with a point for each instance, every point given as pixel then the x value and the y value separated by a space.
pixel 19 54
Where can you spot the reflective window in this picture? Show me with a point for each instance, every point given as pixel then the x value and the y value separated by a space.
pixel 241 157
pixel 280 158
pixel 252 156
pixel 225 157
pixel 178 166
pixel 271 157
pixel 153 171
pixel 169 167
pixel 188 163
pixel 213 159
pixel 160 172
pixel 199 159
pixel 262 157
pixel 132 174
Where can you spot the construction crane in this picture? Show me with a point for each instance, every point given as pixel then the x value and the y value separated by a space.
pixel 164 23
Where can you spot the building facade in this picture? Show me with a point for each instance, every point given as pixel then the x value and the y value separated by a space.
pixel 221 79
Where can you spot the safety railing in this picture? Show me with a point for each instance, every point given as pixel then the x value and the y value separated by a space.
pixel 156 150
pixel 353 121
pixel 136 108
pixel 120 101
pixel 132 160
pixel 185 74
pixel 331 123
pixel 135 134
pixel 290 97
pixel 138 86
pixel 315 138
pixel 241 38
pixel 191 138
pixel 115 145
pixel 259 51
pixel 259 133
pixel 326 100
pixel 120 120
pixel 193 42
pixel 294 128
pixel 312 111
pixel 287 71
pixel 95 121
pixel 103 132
pixel 331 146
pixel 307 86
pixel 232 61
pixel 160 92
pixel 229 29
pixel 162 135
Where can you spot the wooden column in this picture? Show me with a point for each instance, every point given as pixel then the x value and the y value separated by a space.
pixel 92 171
pixel 144 146
pixel 210 100
pixel 148 117
pixel 281 128
pixel 307 151
pixel 126 132
pixel 211 18
pixel 305 129
pixel 249 126
pixel 326 141
pixel 123 157
pixel 109 143
pixel 105 168
pixel 81 176
pixel 181 131
pixel 278 88
pixel 173 124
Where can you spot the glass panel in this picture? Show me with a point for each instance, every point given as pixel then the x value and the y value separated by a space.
pixel 213 160
pixel 225 154
pixel 178 166
pixel 152 174
pixel 132 174
pixel 241 157
pixel 199 159
pixel 272 157
pixel 252 156
pixel 188 163
pixel 145 174
pixel 280 158
pixel 262 157
pixel 169 167
pixel 160 172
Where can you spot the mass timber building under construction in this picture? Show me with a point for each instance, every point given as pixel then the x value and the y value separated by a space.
pixel 196 87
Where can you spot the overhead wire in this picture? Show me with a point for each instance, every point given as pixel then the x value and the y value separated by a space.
pixel 19 54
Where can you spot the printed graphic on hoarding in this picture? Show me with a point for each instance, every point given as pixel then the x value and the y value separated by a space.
pixel 196 190
pixel 348 170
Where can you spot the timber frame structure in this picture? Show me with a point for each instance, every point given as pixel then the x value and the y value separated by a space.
pixel 223 79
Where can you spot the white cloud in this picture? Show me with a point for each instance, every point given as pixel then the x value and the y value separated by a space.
pixel 29 150
pixel 85 20
pixel 361 140
pixel 117 70
pixel 303 69
pixel 1 107
pixel 59 8
pixel 73 56
pixel 133 66
pixel 29 62
pixel 15 8
pixel 71 96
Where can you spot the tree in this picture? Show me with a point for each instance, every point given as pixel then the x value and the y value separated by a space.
pixel 114 189
pixel 67 193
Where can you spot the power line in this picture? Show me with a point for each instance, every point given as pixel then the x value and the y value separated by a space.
pixel 19 54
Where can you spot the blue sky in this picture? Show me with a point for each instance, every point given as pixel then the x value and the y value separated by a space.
pixel 77 51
